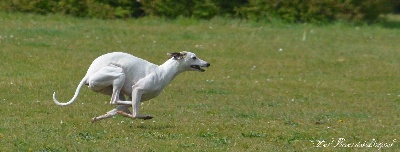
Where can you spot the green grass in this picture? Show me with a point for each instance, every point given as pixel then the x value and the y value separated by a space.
pixel 270 87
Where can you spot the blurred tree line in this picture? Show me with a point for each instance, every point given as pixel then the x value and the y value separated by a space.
pixel 256 10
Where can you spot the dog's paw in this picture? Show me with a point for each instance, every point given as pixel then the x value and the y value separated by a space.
pixel 148 117
pixel 93 120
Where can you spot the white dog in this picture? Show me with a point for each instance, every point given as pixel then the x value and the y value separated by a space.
pixel 118 74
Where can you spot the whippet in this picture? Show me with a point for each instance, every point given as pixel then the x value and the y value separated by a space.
pixel 119 74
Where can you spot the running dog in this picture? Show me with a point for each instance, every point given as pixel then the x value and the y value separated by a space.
pixel 119 74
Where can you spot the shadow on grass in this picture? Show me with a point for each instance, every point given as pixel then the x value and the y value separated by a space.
pixel 154 126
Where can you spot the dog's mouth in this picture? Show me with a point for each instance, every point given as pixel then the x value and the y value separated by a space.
pixel 198 67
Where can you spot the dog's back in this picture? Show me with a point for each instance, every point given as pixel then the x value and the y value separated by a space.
pixel 129 63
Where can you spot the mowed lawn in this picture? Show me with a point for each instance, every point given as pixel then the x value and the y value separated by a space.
pixel 270 86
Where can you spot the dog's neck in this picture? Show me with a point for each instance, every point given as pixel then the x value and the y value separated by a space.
pixel 169 70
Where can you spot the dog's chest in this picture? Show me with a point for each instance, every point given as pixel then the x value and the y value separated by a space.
pixel 149 95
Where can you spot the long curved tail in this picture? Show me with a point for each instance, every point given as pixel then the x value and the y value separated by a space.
pixel 73 98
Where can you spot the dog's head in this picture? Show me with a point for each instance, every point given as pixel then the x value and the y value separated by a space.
pixel 190 61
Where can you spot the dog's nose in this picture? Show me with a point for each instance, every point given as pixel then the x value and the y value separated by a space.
pixel 208 64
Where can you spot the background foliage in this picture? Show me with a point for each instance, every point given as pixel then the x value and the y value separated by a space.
pixel 289 11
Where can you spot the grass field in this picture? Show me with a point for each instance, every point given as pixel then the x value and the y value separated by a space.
pixel 270 87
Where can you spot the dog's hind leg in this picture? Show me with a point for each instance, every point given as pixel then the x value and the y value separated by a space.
pixel 108 80
pixel 113 112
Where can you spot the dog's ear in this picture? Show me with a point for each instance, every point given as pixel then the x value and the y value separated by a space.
pixel 177 56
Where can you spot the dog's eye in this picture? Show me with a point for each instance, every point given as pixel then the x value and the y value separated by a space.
pixel 194 58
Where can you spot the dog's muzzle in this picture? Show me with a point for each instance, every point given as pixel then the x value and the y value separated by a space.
pixel 198 67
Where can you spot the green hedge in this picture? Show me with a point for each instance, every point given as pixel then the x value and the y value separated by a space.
pixel 286 10
pixel 316 10
pixel 107 9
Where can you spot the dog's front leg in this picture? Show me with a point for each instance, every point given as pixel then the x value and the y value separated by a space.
pixel 136 98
